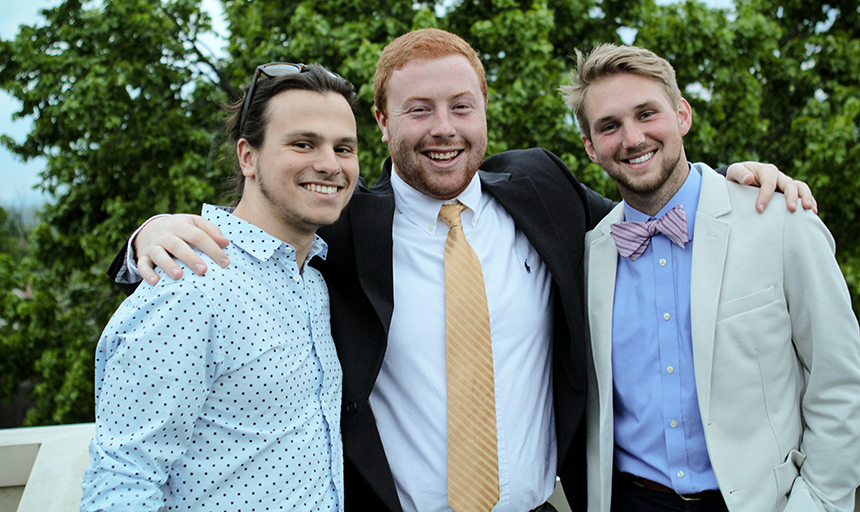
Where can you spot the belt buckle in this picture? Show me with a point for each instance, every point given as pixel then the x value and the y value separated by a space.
pixel 686 497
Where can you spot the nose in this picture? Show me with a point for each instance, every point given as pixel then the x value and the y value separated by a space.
pixel 632 136
pixel 327 161
pixel 442 125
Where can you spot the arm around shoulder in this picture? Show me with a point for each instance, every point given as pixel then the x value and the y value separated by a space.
pixel 161 239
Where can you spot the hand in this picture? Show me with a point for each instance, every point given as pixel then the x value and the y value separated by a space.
pixel 769 178
pixel 165 238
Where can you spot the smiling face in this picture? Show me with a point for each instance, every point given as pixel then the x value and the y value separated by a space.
pixel 436 124
pixel 304 173
pixel 636 135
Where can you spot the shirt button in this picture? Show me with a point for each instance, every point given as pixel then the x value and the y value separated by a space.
pixel 662 262
pixel 680 474
pixel 671 369
pixel 673 423
pixel 431 228
pixel 666 316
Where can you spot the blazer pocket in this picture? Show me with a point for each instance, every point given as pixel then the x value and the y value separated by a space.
pixel 744 304
pixel 787 472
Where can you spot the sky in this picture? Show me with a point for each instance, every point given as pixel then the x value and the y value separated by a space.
pixel 17 178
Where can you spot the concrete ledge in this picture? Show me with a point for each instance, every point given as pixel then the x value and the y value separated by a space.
pixel 42 468
pixel 49 463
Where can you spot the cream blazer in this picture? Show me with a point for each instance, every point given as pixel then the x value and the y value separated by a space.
pixel 776 349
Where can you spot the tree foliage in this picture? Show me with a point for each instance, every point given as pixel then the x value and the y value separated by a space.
pixel 125 102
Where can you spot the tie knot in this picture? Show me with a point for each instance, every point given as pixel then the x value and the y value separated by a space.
pixel 450 214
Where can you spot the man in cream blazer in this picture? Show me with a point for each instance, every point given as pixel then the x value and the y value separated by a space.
pixel 773 367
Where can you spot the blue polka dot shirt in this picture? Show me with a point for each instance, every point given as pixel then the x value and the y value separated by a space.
pixel 221 392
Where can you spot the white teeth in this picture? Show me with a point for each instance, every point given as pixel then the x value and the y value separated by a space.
pixel 442 156
pixel 322 189
pixel 643 158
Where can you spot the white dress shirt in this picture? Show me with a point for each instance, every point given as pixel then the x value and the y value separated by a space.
pixel 409 399
pixel 221 392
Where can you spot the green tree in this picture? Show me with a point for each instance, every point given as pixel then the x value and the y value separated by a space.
pixel 13 234
pixel 777 81
pixel 122 102
pixel 125 104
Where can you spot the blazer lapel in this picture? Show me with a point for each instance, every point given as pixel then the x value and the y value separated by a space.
pixel 710 243
pixel 601 265
pixel 371 229
pixel 601 268
pixel 370 215
pixel 523 202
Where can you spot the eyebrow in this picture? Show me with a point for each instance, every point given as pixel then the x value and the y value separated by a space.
pixel 316 137
pixel 425 98
pixel 642 106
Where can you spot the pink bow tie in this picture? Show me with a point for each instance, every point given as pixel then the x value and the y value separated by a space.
pixel 632 238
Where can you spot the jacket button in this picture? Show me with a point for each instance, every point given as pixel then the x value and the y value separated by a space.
pixel 351 407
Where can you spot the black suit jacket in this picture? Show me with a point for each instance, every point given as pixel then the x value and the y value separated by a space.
pixel 552 209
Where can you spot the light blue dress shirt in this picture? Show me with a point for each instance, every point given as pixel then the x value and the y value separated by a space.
pixel 221 392
pixel 658 428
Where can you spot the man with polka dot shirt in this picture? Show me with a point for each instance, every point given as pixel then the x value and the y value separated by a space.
pixel 223 392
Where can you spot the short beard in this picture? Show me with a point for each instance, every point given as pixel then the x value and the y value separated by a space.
pixel 649 197
pixel 409 169
pixel 646 189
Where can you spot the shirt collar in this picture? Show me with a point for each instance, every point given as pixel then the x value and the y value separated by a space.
pixel 687 196
pixel 423 211
pixel 252 239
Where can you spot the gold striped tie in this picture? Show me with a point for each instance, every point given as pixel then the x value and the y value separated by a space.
pixel 473 467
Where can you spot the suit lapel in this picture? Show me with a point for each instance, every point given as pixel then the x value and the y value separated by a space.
pixel 601 266
pixel 710 243
pixel 371 220
pixel 370 214
pixel 523 202
pixel 601 269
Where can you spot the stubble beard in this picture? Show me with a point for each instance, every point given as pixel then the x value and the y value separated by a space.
pixel 288 216
pixel 652 191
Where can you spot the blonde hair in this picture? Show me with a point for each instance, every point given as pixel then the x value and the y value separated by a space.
pixel 607 60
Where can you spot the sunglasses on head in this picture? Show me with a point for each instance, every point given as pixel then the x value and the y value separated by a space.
pixel 271 70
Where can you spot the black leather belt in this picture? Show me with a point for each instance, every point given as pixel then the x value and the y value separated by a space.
pixel 658 487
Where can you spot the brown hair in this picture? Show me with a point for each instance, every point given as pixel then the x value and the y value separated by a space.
pixel 314 78
pixel 607 60
pixel 425 43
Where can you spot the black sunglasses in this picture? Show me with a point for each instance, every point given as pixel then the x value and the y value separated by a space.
pixel 271 70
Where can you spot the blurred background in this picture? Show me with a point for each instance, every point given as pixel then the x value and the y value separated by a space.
pixel 110 112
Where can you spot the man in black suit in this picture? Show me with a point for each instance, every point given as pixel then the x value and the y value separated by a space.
pixel 525 217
